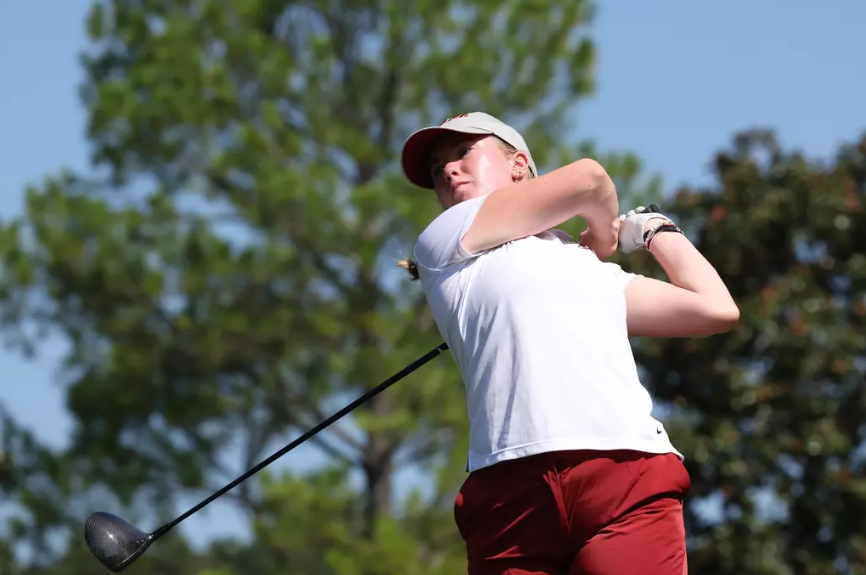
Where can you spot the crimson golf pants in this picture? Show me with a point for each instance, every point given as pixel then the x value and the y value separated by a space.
pixel 576 513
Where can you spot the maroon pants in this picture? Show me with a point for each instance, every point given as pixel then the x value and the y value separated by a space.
pixel 576 513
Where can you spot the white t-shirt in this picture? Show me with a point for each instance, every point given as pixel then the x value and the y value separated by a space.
pixel 537 328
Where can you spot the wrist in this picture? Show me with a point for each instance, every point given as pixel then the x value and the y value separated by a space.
pixel 659 230
pixel 654 223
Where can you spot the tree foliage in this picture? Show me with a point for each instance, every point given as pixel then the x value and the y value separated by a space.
pixel 225 274
pixel 770 416
pixel 225 279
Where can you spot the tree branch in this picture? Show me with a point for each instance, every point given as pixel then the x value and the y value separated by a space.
pixel 318 414
pixel 332 450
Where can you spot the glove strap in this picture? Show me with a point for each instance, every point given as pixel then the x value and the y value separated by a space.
pixel 666 227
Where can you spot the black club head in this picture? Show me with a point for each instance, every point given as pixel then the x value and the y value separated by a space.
pixel 114 542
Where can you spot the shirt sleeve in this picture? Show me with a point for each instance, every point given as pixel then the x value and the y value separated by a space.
pixel 440 245
pixel 620 277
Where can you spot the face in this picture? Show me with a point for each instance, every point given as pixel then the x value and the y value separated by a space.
pixel 467 166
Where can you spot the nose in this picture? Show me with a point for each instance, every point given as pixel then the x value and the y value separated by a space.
pixel 452 169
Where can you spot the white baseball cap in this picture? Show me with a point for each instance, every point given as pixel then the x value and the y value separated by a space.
pixel 419 146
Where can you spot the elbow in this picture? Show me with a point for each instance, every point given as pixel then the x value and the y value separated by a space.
pixel 723 318
pixel 594 186
pixel 590 167
pixel 592 175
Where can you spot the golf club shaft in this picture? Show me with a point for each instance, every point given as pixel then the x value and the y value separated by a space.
pixel 352 406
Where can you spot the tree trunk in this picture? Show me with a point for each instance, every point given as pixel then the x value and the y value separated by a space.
pixel 378 469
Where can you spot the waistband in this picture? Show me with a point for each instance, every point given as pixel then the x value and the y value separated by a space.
pixel 558 461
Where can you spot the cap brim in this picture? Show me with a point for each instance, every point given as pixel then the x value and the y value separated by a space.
pixel 415 158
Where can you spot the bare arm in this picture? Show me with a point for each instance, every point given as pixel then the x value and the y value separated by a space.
pixel 695 303
pixel 582 188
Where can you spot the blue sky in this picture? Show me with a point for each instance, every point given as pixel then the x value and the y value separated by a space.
pixel 676 79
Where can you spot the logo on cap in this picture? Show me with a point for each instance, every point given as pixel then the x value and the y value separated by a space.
pixel 454 118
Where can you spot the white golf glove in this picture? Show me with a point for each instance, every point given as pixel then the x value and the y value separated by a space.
pixel 634 226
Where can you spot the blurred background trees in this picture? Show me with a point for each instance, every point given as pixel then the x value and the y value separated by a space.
pixel 225 277
pixel 772 415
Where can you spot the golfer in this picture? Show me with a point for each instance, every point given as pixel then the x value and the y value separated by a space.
pixel 569 473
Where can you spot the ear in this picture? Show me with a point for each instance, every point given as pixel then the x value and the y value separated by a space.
pixel 519 166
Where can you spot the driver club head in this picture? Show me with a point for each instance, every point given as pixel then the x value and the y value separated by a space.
pixel 114 542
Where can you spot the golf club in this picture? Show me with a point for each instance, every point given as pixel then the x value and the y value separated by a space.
pixel 116 543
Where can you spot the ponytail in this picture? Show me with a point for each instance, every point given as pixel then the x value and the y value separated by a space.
pixel 410 267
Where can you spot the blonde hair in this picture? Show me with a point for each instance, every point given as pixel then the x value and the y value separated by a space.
pixel 409 265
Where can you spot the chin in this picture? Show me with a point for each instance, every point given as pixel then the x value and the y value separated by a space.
pixel 463 194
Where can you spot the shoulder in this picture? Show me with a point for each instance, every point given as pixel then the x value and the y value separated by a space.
pixel 440 244
pixel 617 274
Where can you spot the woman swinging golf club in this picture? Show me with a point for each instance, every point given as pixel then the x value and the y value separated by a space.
pixel 569 473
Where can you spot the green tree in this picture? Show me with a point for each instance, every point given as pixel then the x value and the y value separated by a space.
pixel 770 416
pixel 225 277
